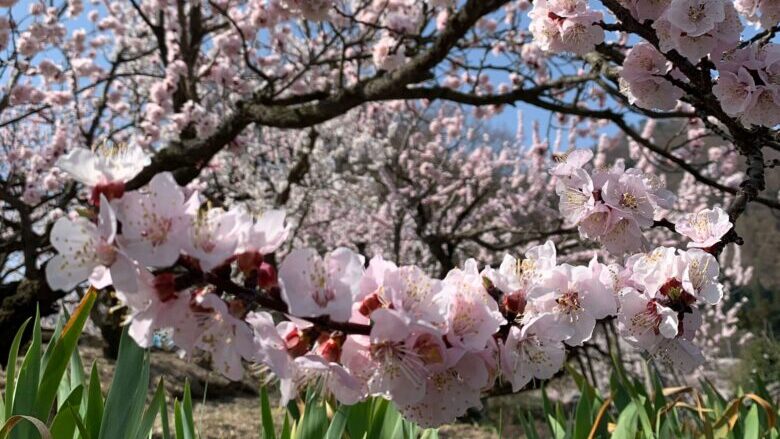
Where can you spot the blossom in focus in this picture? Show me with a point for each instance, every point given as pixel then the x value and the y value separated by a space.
pixel 155 222
pixel 643 321
pixel 212 237
pixel 565 26
pixel 266 234
pixel 643 79
pixel 472 315
pixel 106 170
pixel 153 305
pixel 88 252
pixel 418 298
pixel 532 352
pixel 575 298
pixel 271 348
pixel 705 228
pixel 696 17
pixel 450 392
pixel 313 286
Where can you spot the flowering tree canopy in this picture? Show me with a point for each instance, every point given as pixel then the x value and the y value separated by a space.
pixel 315 185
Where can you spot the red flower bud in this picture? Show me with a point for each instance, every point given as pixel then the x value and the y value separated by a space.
pixel 330 349
pixel 296 342
pixel 370 304
pixel 249 261
pixel 112 190
pixel 266 276
pixel 515 302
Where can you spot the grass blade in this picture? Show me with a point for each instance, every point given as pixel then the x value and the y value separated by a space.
pixel 127 392
pixel 339 423
pixel 27 383
pixel 94 410
pixel 150 415
pixel 59 356
pixel 265 415
pixel 63 426
pixel 10 371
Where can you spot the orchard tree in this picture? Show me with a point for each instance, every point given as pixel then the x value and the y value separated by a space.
pixel 150 147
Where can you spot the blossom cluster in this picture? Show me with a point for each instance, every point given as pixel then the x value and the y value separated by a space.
pixel 746 87
pixel 377 329
pixel 749 84
pixel 565 26
pixel 609 205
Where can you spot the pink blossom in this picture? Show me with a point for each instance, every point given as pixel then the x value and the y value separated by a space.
pixel 696 17
pixel 212 237
pixel 459 385
pixel 472 315
pixel 705 228
pixel 645 322
pixel 313 286
pixel 154 222
pixel 576 300
pixel 532 352
pixel 106 166
pixel 87 251
pixel 266 234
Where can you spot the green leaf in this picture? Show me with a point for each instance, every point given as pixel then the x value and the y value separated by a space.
pixel 127 394
pixel 392 423
pixel 10 371
pixel 582 415
pixel 147 421
pixel 556 428
pixel 15 420
pixel 59 356
pixel 27 383
pixel 751 423
pixel 377 416
pixel 339 423
pixel 528 426
pixel 60 323
pixel 314 422
pixel 63 426
pixel 166 430
pixel 94 411
pixel 558 431
pixel 292 409
pixel 358 419
pixel 627 423
pixel 266 416
pixel 178 419
pixel 186 413
pixel 77 377
pixel 286 428
pixel 83 432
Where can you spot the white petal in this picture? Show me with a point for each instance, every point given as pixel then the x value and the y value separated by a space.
pixel 64 273
pixel 80 163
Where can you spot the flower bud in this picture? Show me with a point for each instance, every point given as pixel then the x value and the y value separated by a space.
pixel 515 302
pixel 370 304
pixel 329 349
pixel 249 261
pixel 296 342
pixel 266 276
pixel 112 190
